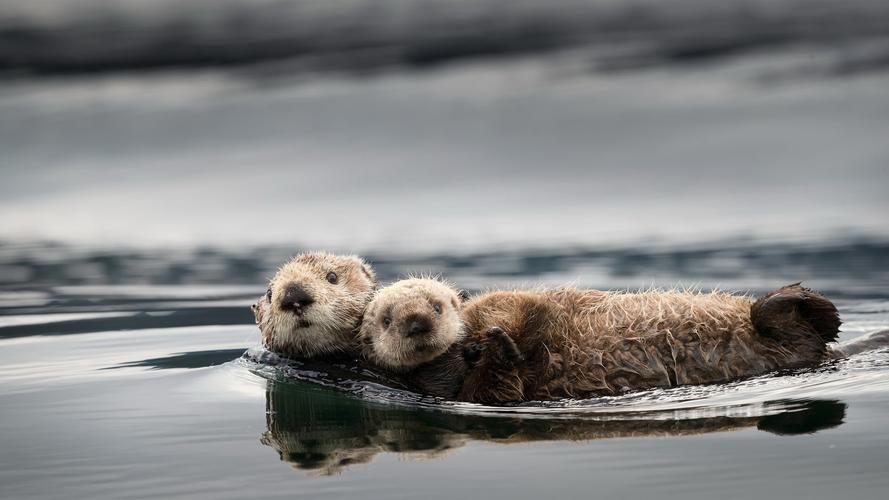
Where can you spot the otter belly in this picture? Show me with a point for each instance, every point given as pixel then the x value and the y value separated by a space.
pixel 580 343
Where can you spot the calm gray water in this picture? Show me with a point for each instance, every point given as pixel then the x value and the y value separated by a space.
pixel 145 390
pixel 159 159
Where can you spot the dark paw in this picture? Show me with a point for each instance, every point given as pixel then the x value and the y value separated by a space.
pixel 472 353
pixel 505 345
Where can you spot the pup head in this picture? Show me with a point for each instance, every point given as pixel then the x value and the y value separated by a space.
pixel 411 322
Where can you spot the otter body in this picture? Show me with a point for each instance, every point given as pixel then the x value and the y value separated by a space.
pixel 570 343
pixel 581 343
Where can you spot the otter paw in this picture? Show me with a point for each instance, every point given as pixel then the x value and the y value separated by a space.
pixel 472 353
pixel 505 345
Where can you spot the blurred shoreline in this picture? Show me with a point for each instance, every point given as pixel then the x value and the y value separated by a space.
pixel 849 268
pixel 54 37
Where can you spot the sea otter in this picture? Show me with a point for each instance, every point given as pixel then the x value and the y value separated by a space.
pixel 314 305
pixel 572 343
pixel 413 328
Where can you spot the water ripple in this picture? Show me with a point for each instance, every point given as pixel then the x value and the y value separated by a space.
pixel 754 397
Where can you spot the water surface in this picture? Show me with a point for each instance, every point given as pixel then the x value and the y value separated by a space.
pixel 159 159
pixel 120 391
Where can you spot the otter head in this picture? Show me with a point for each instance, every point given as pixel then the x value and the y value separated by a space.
pixel 314 304
pixel 411 322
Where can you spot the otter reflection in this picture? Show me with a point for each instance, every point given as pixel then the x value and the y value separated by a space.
pixel 323 432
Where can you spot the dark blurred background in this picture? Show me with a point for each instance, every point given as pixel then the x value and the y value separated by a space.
pixel 618 142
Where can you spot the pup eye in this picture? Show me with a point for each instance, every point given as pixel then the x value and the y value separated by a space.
pixel 436 308
pixel 268 293
pixel 387 322
pixel 332 278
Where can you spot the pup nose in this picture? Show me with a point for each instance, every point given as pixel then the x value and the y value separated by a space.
pixel 419 326
pixel 296 297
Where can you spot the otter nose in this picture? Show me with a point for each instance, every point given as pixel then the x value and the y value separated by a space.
pixel 418 326
pixel 295 298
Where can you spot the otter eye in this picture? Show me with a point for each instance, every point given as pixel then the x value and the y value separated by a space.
pixel 387 321
pixel 436 308
pixel 332 278
pixel 268 293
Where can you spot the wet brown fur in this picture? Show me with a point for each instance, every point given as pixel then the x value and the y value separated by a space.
pixel 431 362
pixel 571 343
pixel 582 343
pixel 329 325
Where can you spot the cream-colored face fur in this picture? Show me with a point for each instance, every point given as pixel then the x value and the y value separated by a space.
pixel 314 304
pixel 411 322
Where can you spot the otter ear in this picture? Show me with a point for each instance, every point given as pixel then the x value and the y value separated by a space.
pixel 362 321
pixel 366 269
pixel 458 301
pixel 364 339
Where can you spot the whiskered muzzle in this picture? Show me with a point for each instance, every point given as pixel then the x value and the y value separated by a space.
pixel 418 326
pixel 296 299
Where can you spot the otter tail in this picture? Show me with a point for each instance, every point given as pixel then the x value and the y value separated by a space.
pixel 794 309
pixel 864 343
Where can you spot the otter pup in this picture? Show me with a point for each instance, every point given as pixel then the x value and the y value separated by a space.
pixel 570 343
pixel 314 305
pixel 413 328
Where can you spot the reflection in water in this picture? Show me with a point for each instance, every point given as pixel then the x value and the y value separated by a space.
pixel 199 359
pixel 323 432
